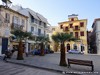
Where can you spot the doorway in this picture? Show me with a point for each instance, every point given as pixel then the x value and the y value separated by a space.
pixel 4 45
pixel 68 47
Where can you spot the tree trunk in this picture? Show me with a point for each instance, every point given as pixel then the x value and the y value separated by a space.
pixel 42 49
pixel 20 51
pixel 62 55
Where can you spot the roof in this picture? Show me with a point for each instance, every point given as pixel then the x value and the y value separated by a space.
pixel 1 6
pixel 97 19
pixel 27 11
pixel 42 18
pixel 37 15
pixel 71 21
pixel 32 13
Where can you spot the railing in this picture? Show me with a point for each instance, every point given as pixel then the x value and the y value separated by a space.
pixel 76 28
pixel 36 24
pixel 16 26
pixel 66 29
pixel 37 34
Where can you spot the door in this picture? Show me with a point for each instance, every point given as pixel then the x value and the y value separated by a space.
pixel 68 47
pixel 29 45
pixel 76 34
pixel 4 45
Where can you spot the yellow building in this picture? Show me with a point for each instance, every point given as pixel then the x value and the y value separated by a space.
pixel 76 27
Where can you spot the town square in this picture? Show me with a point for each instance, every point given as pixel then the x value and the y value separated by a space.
pixel 49 37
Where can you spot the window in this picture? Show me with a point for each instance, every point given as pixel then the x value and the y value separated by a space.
pixel 82 24
pixel 36 21
pixel 32 19
pixel 44 33
pixel 71 25
pixel 44 24
pixel 76 34
pixel 66 28
pixel 71 33
pixel 16 20
pixel 76 27
pixel 23 22
pixel 39 31
pixel 82 33
pixel 72 19
pixel 40 22
pixel 75 46
pixel 7 18
pixel 32 29
pixel 61 26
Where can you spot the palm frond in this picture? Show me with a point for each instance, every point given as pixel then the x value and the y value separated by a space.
pixel 21 34
pixel 62 37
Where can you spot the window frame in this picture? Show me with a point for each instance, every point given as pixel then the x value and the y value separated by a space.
pixel 71 25
pixel 7 17
pixel 82 33
pixel 81 24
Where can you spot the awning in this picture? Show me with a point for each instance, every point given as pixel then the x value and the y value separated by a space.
pixel 65 25
pixel 15 43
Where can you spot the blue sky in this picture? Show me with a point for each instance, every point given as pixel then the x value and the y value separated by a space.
pixel 58 10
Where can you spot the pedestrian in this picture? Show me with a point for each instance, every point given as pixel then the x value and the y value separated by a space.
pixel 8 52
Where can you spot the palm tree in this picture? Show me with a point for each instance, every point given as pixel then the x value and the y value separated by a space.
pixel 62 38
pixel 20 35
pixel 42 40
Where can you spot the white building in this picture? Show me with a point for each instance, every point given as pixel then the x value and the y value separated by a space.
pixel 96 35
pixel 37 24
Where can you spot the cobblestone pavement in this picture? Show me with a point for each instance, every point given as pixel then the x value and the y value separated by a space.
pixel 13 69
pixel 51 61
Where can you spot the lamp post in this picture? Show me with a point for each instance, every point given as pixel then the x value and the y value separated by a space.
pixel 7 3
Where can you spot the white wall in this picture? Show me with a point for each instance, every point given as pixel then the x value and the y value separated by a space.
pixel 98 36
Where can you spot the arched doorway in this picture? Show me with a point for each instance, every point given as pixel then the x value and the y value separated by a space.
pixel 75 46
pixel 68 47
pixel 82 48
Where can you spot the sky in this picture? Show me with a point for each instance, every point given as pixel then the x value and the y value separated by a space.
pixel 58 10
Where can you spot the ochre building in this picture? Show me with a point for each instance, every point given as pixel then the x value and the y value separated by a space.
pixel 78 28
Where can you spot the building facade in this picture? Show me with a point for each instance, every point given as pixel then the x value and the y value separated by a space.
pixel 10 20
pixel 37 24
pixel 78 28
pixel 89 41
pixel 95 36
pixel 53 30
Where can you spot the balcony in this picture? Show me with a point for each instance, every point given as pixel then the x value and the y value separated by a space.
pixel 66 29
pixel 37 34
pixel 76 28
pixel 16 26
pixel 7 20
pixel 36 24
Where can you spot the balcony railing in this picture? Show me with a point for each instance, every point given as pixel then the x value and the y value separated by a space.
pixel 76 28
pixel 36 24
pixel 37 34
pixel 16 26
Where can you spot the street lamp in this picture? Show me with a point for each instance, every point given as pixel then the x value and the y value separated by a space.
pixel 7 2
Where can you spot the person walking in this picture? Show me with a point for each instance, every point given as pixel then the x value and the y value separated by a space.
pixel 8 53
